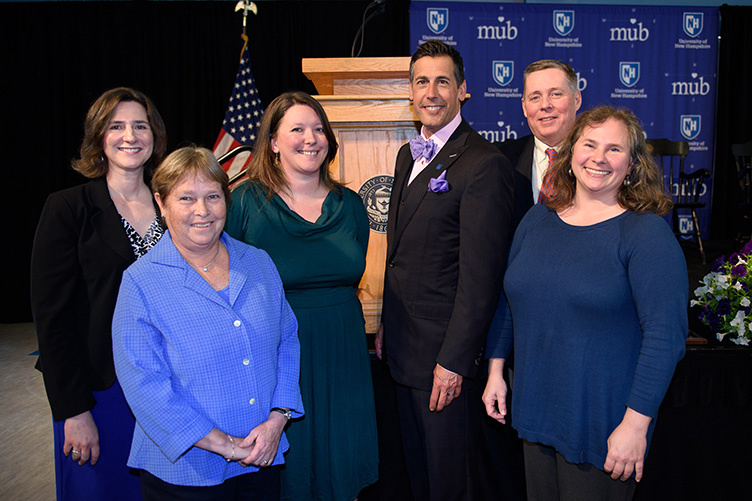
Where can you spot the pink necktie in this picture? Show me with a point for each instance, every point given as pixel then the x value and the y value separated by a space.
pixel 547 191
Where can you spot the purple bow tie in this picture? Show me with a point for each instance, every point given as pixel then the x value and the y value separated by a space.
pixel 419 147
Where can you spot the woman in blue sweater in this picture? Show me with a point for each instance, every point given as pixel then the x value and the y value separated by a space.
pixel 596 290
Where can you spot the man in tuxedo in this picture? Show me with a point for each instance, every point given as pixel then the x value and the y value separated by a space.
pixel 448 232
pixel 550 100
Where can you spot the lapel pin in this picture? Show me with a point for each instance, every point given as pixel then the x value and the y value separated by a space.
pixel 439 166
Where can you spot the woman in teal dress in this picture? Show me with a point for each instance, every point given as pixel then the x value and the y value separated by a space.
pixel 316 232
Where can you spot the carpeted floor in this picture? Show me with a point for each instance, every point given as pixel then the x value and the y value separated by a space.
pixel 27 469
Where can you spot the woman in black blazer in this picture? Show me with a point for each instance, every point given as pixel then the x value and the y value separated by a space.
pixel 87 236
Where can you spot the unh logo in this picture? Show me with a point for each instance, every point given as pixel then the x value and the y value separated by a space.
pixel 629 73
pixel 503 72
pixel 690 126
pixel 693 23
pixel 437 19
pixel 686 226
pixel 563 22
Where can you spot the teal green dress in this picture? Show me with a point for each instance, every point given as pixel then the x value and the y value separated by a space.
pixel 333 448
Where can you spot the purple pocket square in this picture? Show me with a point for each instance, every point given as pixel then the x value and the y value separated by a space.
pixel 438 184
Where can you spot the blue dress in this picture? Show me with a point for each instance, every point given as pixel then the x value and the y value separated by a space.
pixel 333 448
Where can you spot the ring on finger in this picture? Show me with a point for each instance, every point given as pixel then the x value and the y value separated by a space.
pixel 264 462
pixel 75 455
pixel 450 394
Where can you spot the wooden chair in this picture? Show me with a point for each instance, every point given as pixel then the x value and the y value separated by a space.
pixel 743 159
pixel 685 188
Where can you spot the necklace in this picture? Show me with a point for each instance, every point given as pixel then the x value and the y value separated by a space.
pixel 206 268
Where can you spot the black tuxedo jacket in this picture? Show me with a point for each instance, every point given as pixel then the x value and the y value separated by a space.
pixel 446 254
pixel 520 153
pixel 80 253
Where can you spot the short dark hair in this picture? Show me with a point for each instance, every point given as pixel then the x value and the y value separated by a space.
pixel 436 48
pixel 93 163
pixel 645 191
pixel 545 64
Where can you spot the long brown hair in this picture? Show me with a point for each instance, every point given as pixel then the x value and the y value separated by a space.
pixel 644 190
pixel 263 168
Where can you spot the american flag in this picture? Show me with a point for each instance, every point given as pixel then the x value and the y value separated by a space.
pixel 241 119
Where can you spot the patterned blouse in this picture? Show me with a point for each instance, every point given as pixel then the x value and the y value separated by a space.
pixel 142 245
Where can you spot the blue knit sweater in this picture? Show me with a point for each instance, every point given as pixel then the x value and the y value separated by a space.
pixel 599 316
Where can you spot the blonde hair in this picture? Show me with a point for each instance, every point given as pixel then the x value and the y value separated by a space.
pixel 189 161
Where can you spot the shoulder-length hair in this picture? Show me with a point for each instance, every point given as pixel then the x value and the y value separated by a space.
pixel 643 190
pixel 187 162
pixel 93 163
pixel 264 169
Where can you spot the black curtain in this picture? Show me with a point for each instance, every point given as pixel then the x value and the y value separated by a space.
pixel 58 57
pixel 733 122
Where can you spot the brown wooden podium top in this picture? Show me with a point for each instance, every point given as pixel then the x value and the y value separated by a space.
pixel 361 75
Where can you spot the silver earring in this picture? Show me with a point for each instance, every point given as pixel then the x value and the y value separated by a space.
pixel 627 181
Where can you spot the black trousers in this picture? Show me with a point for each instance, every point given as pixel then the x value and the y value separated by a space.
pixel 440 447
pixel 262 485
pixel 550 476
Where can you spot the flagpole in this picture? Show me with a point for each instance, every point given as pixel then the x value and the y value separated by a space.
pixel 237 135
pixel 246 5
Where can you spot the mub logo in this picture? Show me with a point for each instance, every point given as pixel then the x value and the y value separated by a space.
pixel 437 19
pixel 629 73
pixel 503 72
pixel 693 23
pixel 563 22
pixel 690 126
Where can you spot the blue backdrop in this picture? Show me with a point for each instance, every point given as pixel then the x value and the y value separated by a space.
pixel 659 61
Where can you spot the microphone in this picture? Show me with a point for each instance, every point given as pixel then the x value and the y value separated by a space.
pixel 379 6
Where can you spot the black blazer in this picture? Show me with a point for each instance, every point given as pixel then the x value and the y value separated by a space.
pixel 80 253
pixel 520 153
pixel 446 254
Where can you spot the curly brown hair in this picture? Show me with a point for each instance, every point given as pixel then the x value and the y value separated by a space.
pixel 263 168
pixel 644 191
pixel 93 163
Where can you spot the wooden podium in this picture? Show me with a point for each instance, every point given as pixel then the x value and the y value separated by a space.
pixel 366 100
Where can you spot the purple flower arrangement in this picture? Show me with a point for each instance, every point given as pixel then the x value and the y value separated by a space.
pixel 724 297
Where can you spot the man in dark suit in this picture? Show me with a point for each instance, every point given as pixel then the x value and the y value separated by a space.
pixel 550 100
pixel 449 227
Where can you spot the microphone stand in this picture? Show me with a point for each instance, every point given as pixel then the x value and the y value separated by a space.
pixel 380 6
